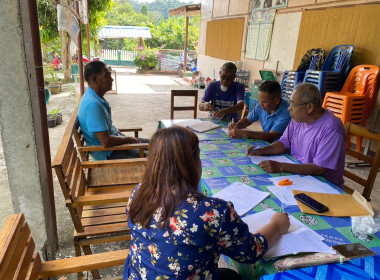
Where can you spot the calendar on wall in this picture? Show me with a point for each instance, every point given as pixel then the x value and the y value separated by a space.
pixel 259 35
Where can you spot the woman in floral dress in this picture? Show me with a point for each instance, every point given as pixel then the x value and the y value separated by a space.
pixel 178 233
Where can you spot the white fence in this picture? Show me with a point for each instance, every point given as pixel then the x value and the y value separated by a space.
pixel 106 54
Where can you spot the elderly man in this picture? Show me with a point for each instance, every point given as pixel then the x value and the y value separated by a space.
pixel 224 98
pixel 314 136
pixel 94 115
pixel 272 112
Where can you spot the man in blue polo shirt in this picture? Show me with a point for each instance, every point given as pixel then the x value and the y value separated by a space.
pixel 224 98
pixel 272 111
pixel 94 115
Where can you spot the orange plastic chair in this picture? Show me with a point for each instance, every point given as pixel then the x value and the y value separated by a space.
pixel 356 101
pixel 243 111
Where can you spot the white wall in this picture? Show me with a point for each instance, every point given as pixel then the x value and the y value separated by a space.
pixel 284 41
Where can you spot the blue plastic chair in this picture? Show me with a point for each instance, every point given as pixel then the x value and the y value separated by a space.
pixel 293 77
pixel 334 71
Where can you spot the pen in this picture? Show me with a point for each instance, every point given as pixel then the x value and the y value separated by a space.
pixel 282 208
pixel 254 149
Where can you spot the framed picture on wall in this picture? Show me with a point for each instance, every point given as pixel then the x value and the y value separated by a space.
pixel 268 4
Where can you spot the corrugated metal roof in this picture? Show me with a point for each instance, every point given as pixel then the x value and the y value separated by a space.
pixel 116 31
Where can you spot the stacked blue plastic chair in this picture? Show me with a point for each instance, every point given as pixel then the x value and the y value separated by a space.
pixel 293 77
pixel 334 71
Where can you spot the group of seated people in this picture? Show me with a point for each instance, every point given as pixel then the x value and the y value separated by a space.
pixel 182 233
pixel 302 127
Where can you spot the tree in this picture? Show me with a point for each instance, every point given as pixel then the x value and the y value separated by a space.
pixel 47 12
pixel 124 14
pixel 48 27
pixel 144 10
pixel 161 7
pixel 168 33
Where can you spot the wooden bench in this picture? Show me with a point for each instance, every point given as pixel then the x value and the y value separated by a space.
pixel 96 192
pixel 18 261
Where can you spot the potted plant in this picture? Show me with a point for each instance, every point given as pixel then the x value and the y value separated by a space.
pixel 55 114
pixel 51 77
pixel 52 120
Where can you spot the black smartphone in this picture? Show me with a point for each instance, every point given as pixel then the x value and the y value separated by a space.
pixel 312 203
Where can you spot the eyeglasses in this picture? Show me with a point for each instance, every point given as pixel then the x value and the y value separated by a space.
pixel 291 104
pixel 227 78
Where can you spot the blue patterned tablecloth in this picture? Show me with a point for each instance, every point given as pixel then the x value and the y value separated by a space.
pixel 224 161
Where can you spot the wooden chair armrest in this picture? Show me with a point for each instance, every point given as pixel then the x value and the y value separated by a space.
pixel 102 199
pixel 132 129
pixel 113 148
pixel 114 163
pixel 82 263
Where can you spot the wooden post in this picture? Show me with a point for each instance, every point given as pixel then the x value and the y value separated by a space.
pixel 88 34
pixel 80 53
pixel 186 38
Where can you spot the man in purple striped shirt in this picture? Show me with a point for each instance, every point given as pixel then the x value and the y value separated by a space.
pixel 314 136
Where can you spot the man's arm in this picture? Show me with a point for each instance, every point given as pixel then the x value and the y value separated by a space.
pixel 108 140
pixel 243 123
pixel 305 169
pixel 273 149
pixel 229 110
pixel 262 135
pixel 205 106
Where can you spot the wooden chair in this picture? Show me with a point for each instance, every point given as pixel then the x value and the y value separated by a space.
pixel 18 261
pixel 191 92
pixel 96 193
pixel 84 151
pixel 357 130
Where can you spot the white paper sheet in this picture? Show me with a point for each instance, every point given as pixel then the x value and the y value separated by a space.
pixel 242 196
pixel 299 239
pixel 188 123
pixel 258 159
pixel 302 183
pixel 226 129
pixel 198 125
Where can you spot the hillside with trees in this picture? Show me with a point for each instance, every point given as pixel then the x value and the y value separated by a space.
pixel 160 8
pixel 166 33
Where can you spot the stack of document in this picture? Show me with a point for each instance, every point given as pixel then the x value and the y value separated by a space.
pixel 198 125
pixel 299 239
pixel 242 196
pixel 300 183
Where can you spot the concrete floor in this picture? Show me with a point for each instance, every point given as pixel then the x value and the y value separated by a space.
pixel 142 100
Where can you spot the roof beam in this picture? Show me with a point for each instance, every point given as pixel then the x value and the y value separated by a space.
pixel 188 10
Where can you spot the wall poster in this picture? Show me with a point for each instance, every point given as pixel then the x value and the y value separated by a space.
pixel 260 27
pixel 259 34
